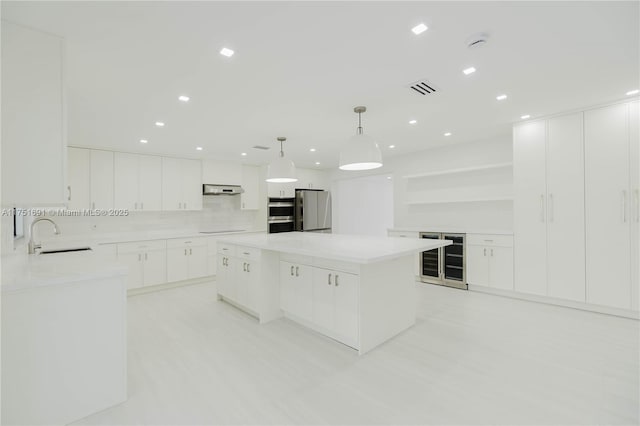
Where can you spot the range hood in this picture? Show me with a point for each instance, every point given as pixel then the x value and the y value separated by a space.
pixel 210 189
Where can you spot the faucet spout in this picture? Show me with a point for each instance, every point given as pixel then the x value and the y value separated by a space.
pixel 32 244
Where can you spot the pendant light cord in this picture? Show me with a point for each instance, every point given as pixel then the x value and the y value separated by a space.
pixel 359 123
pixel 281 150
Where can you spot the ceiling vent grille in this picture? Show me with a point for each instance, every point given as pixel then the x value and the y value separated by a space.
pixel 422 87
pixel 264 148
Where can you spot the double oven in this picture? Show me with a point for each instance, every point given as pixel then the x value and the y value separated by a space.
pixel 446 265
pixel 281 215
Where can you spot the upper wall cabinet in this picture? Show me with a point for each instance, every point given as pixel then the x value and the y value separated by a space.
pixel 250 198
pixel 79 178
pixel 102 188
pixel 221 173
pixel 138 182
pixel 181 184
pixel 33 121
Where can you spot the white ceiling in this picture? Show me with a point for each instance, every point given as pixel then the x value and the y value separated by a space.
pixel 300 68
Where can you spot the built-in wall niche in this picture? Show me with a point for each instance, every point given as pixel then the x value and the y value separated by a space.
pixel 482 183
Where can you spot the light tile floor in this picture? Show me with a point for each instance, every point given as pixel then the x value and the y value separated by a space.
pixel 472 358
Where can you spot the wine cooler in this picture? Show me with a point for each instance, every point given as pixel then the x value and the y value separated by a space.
pixel 445 265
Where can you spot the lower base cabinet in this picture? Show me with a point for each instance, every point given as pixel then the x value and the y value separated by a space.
pixel 296 290
pixel 186 259
pixel 146 261
pixel 238 276
pixel 490 261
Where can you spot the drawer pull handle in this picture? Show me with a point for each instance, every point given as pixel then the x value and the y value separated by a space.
pixel 190 252
pixel 291 270
pixel 297 272
pixel 244 266
pixel 491 252
pixel 145 256
pixel 485 252
pixel 245 252
pixel 336 280
pixel 329 279
pixel 248 265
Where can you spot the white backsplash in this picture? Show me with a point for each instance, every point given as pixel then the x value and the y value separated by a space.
pixel 218 213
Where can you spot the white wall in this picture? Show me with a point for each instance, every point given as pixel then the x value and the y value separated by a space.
pixel 490 215
pixel 363 205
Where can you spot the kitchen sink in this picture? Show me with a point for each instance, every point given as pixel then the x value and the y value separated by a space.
pixel 67 250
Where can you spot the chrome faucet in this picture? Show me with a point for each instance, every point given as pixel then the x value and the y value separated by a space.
pixel 32 245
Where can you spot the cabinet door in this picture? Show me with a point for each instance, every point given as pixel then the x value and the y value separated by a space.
pixel 223 277
pixel 171 184
pixel 126 194
pixel 275 190
pixel 79 178
pixel 101 179
pixel 33 121
pixel 303 282
pixel 249 198
pixel 134 263
pixel 287 287
pixel 565 208
pixel 345 321
pixel 241 281
pixel 529 208
pixel 177 264
pixel 634 137
pixel 155 267
pixel 289 190
pixel 478 265
pixel 192 184
pixel 501 267
pixel 197 261
pixel 323 298
pixel 607 206
pixel 253 285
pixel 150 182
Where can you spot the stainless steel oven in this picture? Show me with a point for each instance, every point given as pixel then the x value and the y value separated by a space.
pixel 446 265
pixel 280 215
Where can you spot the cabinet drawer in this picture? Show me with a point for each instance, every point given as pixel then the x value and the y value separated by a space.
pixel 248 253
pixel 336 265
pixel 403 234
pixel 228 249
pixel 137 246
pixel 186 242
pixel 490 240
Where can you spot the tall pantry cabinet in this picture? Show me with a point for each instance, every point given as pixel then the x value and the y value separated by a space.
pixel 576 207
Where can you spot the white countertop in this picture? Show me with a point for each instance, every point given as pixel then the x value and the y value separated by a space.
pixel 453 229
pixel 346 248
pixel 23 271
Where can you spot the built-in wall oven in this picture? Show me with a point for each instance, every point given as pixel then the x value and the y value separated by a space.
pixel 281 213
pixel 445 265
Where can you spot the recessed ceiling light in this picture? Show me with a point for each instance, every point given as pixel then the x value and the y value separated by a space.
pixel 501 97
pixel 524 117
pixel 198 148
pixel 226 52
pixel 389 177
pixel 391 146
pixel 143 141
pixel 447 134
pixel 317 163
pixel 183 98
pixel 312 150
pixel 159 124
pixel 419 29
pixel 244 154
pixel 633 92
pixel 413 121
pixel 469 70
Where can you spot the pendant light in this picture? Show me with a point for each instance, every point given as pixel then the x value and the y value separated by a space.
pixel 281 170
pixel 362 152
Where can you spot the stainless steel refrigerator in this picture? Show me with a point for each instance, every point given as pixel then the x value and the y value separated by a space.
pixel 312 210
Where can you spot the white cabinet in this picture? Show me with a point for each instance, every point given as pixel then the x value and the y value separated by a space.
pixel 608 202
pixel 225 276
pixel 181 184
pixel 247 280
pixel 634 132
pixel 33 118
pixel 146 261
pixel 78 178
pixel 250 198
pixel 296 291
pixel 335 304
pixel 239 276
pixel 311 179
pixel 222 173
pixel 549 207
pixel 281 190
pixel 186 258
pixel 102 179
pixel 490 261
pixel 138 181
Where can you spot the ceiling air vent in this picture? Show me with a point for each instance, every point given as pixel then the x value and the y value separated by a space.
pixel 423 87
pixel 264 148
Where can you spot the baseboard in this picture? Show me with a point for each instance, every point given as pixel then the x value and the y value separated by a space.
pixel 625 313
pixel 167 286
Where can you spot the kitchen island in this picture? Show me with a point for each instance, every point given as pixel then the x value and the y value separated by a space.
pixel 358 290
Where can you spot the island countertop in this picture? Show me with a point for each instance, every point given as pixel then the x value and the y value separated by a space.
pixel 347 248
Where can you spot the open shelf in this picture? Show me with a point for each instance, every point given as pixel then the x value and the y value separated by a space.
pixel 460 170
